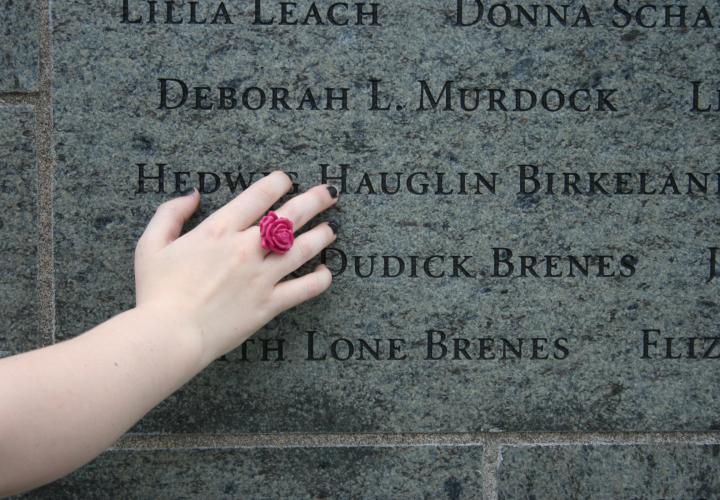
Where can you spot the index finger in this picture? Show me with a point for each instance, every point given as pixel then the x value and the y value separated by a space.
pixel 243 210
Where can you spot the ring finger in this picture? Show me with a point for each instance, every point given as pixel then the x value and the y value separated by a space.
pixel 302 208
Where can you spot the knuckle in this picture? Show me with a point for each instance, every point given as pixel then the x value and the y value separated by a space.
pixel 241 253
pixel 303 252
pixel 215 229
pixel 320 195
pixel 166 208
pixel 294 212
pixel 286 178
pixel 266 193
pixel 313 286
pixel 252 233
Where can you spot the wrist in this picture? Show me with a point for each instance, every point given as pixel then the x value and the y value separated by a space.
pixel 181 331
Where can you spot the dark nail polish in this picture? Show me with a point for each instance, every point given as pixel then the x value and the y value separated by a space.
pixel 333 191
pixel 187 191
pixel 334 226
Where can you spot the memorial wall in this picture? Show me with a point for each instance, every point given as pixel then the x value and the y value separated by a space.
pixel 525 300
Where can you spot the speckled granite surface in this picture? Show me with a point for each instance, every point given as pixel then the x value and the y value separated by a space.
pixel 106 95
pixel 18 231
pixel 359 472
pixel 19 43
pixel 641 472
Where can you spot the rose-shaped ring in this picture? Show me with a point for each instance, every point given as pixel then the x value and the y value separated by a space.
pixel 276 233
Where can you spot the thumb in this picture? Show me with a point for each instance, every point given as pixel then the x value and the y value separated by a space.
pixel 167 223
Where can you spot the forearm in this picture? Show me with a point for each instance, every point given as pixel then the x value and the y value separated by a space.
pixel 63 405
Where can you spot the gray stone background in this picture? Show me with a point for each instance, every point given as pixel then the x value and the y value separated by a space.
pixel 409 457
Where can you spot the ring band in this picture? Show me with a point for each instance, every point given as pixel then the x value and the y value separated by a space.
pixel 276 233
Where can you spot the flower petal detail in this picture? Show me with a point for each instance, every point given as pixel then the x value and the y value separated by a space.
pixel 276 233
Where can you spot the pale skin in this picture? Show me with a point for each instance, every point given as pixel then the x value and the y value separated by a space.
pixel 198 297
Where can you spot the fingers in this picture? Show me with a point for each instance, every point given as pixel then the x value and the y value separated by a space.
pixel 251 204
pixel 304 207
pixel 167 223
pixel 305 247
pixel 290 293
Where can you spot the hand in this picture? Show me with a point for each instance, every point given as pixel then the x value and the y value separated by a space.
pixel 217 277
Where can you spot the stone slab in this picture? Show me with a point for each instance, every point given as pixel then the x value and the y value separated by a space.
pixel 608 472
pixel 336 472
pixel 19 45
pixel 18 231
pixel 112 127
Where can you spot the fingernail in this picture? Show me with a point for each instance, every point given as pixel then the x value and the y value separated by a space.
pixel 187 191
pixel 333 191
pixel 334 226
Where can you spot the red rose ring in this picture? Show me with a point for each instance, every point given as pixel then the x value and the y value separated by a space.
pixel 276 233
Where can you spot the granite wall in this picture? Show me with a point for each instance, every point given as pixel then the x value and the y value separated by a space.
pixel 529 209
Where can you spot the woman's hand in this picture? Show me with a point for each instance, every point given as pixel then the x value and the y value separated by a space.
pixel 217 277
pixel 199 296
